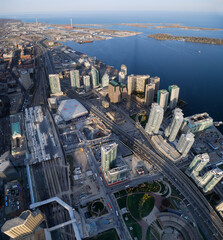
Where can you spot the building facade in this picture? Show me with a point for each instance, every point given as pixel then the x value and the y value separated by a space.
pixel 185 143
pixel 75 79
pixel 162 98
pixel 149 93
pixel 87 83
pixel 174 91
pixel 55 83
pixel 105 80
pixel 23 225
pixel 174 127
pixel 114 92
pixel 155 119
pixel 108 155
pixel 95 77
pixel 156 81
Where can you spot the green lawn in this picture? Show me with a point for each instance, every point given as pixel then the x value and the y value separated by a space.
pixel 147 207
pixel 122 202
pixel 162 187
pixel 120 194
pixel 148 233
pixel 136 229
pixel 133 204
pixel 107 235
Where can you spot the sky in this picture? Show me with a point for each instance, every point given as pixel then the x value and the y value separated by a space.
pixel 52 6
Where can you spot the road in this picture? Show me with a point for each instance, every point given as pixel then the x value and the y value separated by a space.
pixel 211 224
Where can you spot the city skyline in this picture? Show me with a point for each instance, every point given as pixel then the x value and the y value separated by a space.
pixel 17 7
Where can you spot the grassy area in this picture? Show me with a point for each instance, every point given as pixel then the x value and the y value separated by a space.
pixel 133 204
pixel 121 193
pixel 148 233
pixel 165 194
pixel 107 235
pixel 136 229
pixel 122 202
pixel 133 116
pixel 147 207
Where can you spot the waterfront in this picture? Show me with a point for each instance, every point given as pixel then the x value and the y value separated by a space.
pixel 199 75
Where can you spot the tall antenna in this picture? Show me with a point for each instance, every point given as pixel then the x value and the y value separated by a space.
pixel 71 22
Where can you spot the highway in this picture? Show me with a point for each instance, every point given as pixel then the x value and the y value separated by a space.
pixel 212 225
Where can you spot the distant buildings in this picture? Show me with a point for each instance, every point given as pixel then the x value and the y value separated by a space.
pixel 176 122
pixel 210 178
pixel 155 119
pixel 108 155
pixel 149 93
pixel 95 77
pixel 55 84
pixel 23 225
pixel 75 78
pixel 162 98
pixel 185 143
pixel 156 81
pixel 174 95
pixel 121 77
pixel 87 83
pixel 197 123
pixel 105 80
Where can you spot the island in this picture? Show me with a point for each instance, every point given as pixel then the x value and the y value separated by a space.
pixel 176 25
pixel 165 36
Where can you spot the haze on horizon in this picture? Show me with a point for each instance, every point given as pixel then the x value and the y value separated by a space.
pixel 52 6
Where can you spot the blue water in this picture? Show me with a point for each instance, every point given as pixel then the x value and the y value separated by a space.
pixel 199 76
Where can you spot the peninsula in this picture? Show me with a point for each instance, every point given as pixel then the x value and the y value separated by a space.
pixel 165 36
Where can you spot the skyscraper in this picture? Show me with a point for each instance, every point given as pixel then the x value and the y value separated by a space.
pixel 131 84
pixel 23 225
pixel 155 119
pixel 162 98
pixel 95 77
pixel 75 78
pixel 87 83
pixel 185 143
pixel 149 94
pixel 137 83
pixel 177 120
pixel 121 77
pixel 108 155
pixel 155 80
pixel 124 69
pixel 54 83
pixel 217 175
pixel 174 95
pixel 105 80
pixel 114 92
pixel 198 163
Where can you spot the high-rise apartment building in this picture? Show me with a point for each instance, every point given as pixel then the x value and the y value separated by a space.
pixel 121 77
pixel 23 225
pixel 105 80
pixel 87 83
pixel 124 69
pixel 185 143
pixel 55 83
pixel 137 83
pixel 198 163
pixel 95 77
pixel 217 175
pixel 177 120
pixel 149 93
pixel 75 78
pixel 155 80
pixel 174 95
pixel 108 155
pixel 155 119
pixel 114 92
pixel 162 98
